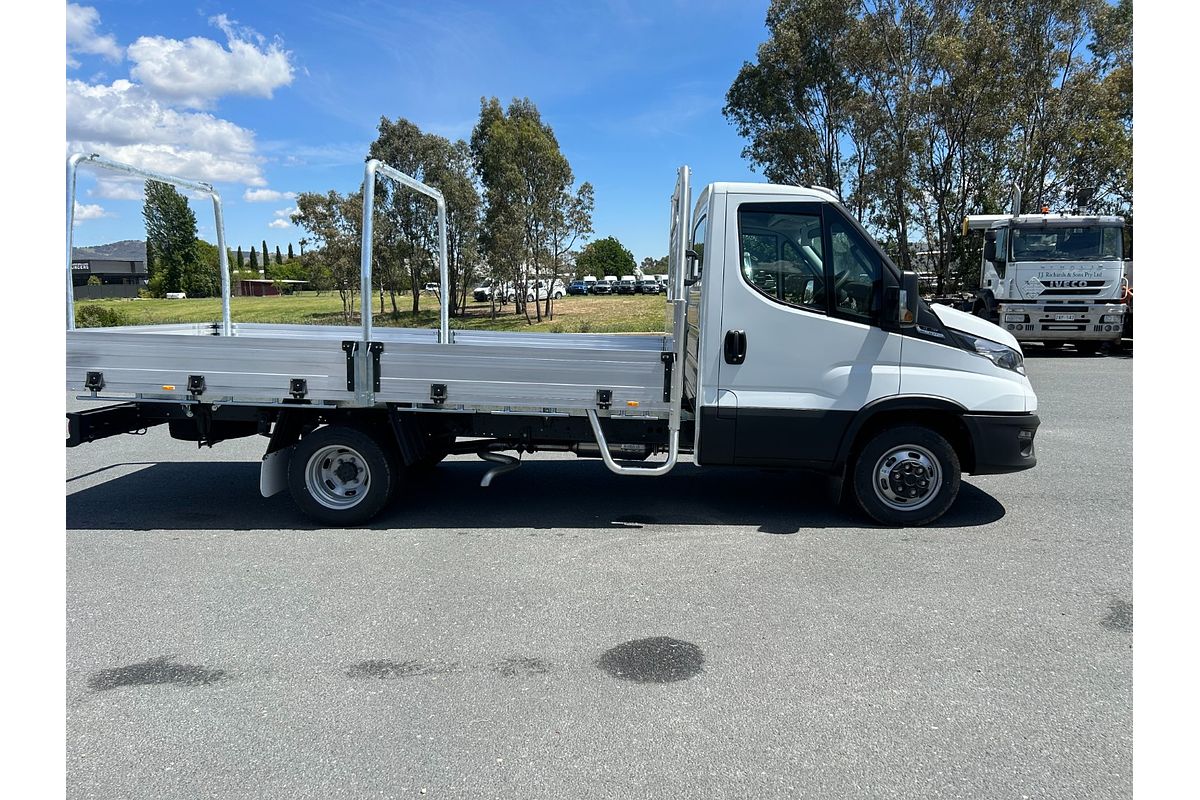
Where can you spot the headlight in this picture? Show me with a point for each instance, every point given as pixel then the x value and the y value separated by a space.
pixel 1111 318
pixel 998 354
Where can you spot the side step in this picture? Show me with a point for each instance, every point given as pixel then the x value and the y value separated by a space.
pixel 613 466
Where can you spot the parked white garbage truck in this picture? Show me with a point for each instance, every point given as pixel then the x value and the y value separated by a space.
pixel 1052 278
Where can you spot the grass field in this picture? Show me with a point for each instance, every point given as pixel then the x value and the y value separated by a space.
pixel 601 314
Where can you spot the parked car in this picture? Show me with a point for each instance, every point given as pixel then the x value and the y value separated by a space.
pixel 431 288
pixel 483 292
pixel 603 286
pixel 649 286
pixel 539 290
pixel 577 287
pixel 627 285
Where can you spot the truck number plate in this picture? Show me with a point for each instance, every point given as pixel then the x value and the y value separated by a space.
pixel 1064 317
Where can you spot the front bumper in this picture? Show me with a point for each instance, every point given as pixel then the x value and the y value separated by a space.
pixel 1002 442
pixel 1041 322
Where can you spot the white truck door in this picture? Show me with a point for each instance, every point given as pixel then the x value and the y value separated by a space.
pixel 802 300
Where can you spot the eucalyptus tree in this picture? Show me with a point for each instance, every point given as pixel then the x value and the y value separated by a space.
pixel 412 233
pixel 793 104
pixel 532 217
pixel 334 224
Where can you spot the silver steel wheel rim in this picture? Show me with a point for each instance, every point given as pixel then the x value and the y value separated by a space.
pixel 337 477
pixel 907 478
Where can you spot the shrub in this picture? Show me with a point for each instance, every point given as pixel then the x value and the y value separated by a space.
pixel 97 316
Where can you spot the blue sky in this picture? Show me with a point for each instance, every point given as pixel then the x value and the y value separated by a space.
pixel 271 98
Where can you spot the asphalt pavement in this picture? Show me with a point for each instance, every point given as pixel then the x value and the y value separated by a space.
pixel 569 633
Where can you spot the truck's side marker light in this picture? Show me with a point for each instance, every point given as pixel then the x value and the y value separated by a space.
pixel 168 387
pixel 631 403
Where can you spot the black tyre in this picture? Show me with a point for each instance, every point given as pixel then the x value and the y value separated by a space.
pixel 1087 348
pixel 341 476
pixel 906 476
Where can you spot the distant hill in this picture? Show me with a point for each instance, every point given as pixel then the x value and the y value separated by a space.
pixel 126 250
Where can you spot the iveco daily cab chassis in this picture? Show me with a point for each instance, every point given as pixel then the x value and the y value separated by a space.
pixel 794 343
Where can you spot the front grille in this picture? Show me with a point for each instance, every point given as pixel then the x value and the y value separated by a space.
pixel 1071 292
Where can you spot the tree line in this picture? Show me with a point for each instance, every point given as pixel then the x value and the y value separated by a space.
pixel 919 112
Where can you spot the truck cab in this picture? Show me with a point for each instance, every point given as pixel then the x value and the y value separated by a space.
pixel 799 354
pixel 1053 278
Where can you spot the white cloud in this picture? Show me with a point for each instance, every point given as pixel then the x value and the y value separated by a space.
pixel 90 211
pixel 83 38
pixel 286 213
pixel 118 189
pixel 124 123
pixel 196 71
pixel 266 196
pixel 279 223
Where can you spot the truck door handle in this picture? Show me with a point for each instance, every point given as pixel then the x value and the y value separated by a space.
pixel 735 347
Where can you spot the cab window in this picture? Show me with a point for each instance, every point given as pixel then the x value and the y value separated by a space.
pixel 857 274
pixel 698 242
pixel 782 256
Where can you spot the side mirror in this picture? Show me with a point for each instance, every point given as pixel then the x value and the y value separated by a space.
pixel 910 300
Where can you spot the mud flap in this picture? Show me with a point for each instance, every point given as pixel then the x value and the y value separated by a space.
pixel 272 478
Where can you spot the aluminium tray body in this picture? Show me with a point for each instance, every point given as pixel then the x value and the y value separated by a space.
pixel 481 370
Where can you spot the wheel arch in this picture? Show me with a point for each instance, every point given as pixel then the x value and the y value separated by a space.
pixel 936 413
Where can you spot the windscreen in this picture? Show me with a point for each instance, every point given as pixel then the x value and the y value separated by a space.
pixel 1084 243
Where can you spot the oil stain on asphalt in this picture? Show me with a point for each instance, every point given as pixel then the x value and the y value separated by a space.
pixel 512 667
pixel 156 671
pixel 384 668
pixel 659 659
pixel 1120 616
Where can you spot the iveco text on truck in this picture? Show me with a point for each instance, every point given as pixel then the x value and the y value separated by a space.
pixel 794 342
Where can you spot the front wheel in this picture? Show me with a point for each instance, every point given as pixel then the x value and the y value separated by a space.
pixel 341 476
pixel 906 476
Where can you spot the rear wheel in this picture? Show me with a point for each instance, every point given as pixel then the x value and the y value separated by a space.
pixel 908 475
pixel 341 476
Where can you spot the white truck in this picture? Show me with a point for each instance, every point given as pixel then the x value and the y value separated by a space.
pixel 794 342
pixel 1053 278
